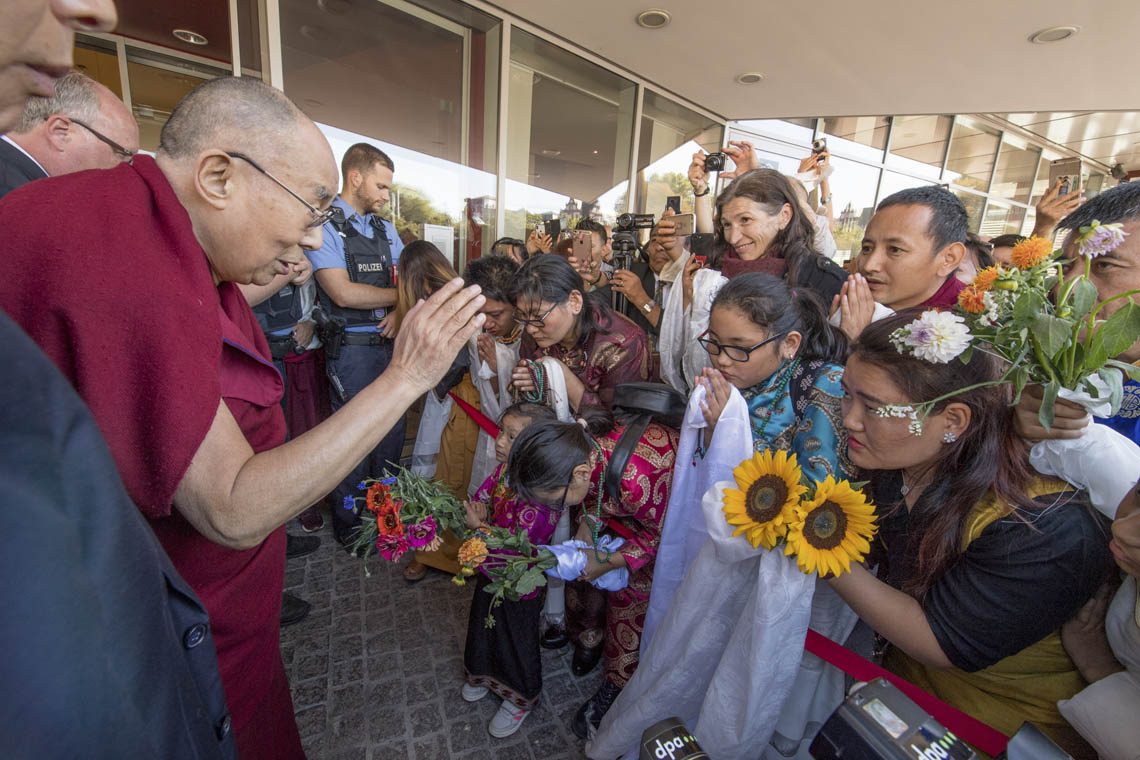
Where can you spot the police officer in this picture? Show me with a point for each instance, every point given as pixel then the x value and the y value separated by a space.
pixel 355 273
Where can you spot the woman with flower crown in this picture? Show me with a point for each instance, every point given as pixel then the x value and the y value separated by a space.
pixel 980 560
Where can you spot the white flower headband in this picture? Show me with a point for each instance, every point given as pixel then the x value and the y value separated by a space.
pixel 938 337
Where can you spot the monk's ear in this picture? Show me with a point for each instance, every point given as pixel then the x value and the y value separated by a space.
pixel 214 178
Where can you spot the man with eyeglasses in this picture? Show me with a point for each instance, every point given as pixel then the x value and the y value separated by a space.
pixel 134 296
pixel 83 125
pixel 355 270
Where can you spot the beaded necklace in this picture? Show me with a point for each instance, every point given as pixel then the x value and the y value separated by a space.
pixel 780 381
pixel 595 520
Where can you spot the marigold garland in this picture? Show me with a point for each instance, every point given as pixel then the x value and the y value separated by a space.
pixel 1031 252
pixel 769 490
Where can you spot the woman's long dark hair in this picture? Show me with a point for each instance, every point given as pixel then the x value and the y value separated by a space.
pixel 545 454
pixel 423 270
pixel 548 277
pixel 770 304
pixel 988 455
pixel 795 243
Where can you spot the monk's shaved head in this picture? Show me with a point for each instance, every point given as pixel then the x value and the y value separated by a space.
pixel 230 112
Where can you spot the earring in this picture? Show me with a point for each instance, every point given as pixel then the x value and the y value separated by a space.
pixel 949 437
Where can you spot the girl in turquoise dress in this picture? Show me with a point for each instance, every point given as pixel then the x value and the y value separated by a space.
pixel 774 344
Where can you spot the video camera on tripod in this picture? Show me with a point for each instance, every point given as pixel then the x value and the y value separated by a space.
pixel 625 246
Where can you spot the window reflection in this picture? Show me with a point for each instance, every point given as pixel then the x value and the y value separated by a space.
pixel 974 204
pixel 570 137
pixel 420 85
pixel 1001 219
pixel 862 137
pixel 853 202
pixel 1016 166
pixel 918 144
pixel 972 152
pixel 670 135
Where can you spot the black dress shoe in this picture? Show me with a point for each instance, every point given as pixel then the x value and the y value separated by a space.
pixel 293 609
pixel 554 638
pixel 585 659
pixel 595 708
pixel 299 546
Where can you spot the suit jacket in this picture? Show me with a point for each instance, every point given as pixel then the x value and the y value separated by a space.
pixel 642 270
pixel 16 169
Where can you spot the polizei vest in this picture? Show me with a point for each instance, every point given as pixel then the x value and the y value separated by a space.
pixel 368 261
pixel 281 310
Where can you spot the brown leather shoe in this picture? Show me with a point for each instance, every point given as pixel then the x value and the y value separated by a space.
pixel 415 571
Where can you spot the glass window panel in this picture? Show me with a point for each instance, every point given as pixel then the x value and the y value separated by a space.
pixel 974 204
pixel 249 35
pixel 852 186
pixel 862 137
pixel 918 144
pixel 1016 167
pixel 1041 184
pixel 99 60
pixel 422 85
pixel 893 182
pixel 158 82
pixel 670 135
pixel 570 137
pixel 972 151
pixel 795 130
pixel 1001 219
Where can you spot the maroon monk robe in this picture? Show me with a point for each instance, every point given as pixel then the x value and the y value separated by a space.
pixel 946 297
pixel 121 297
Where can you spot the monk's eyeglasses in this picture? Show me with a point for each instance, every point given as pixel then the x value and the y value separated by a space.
pixel 319 217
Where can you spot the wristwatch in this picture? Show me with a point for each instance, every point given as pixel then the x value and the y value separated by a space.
pixel 649 307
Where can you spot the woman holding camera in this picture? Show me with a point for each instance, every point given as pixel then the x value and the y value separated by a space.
pixel 760 227
pixel 980 560
pixel 597 348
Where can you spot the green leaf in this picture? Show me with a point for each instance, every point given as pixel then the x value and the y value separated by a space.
pixel 1120 330
pixel 529 581
pixel 1028 306
pixel 1053 333
pixel 1083 298
pixel 1115 382
pixel 1129 369
pixel 1048 405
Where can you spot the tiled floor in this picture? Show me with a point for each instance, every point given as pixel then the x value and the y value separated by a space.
pixel 377 666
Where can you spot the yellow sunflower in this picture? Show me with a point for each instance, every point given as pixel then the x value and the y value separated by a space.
pixel 769 490
pixel 832 529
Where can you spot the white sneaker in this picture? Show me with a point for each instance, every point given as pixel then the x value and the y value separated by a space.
pixel 473 693
pixel 507 720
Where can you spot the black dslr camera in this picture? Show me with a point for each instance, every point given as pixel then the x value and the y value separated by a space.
pixel 715 162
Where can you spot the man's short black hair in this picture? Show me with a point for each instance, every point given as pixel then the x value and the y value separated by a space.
pixel 363 157
pixel 949 222
pixel 1120 204
pixel 493 274
pixel 590 225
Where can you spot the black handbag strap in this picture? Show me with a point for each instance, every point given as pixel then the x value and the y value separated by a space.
pixel 623 450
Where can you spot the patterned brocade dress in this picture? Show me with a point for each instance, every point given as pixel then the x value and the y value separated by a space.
pixel 619 616
pixel 616 352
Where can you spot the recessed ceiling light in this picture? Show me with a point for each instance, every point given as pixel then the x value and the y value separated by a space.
pixel 551 152
pixel 1053 34
pixel 191 37
pixel 595 152
pixel 750 77
pixel 335 7
pixel 654 18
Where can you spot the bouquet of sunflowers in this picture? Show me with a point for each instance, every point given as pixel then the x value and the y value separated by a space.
pixel 408 512
pixel 825 525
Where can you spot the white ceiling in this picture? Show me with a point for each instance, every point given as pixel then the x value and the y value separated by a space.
pixel 883 57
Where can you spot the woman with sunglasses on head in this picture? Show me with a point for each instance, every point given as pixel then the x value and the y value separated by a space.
pixel 598 348
pixel 566 464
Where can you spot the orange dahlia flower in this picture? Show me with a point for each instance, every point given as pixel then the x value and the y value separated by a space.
pixel 972 300
pixel 1031 252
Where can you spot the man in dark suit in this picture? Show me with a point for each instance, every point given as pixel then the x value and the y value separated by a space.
pixel 83 125
pixel 644 294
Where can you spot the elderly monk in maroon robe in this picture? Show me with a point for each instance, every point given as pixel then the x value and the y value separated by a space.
pixel 132 294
